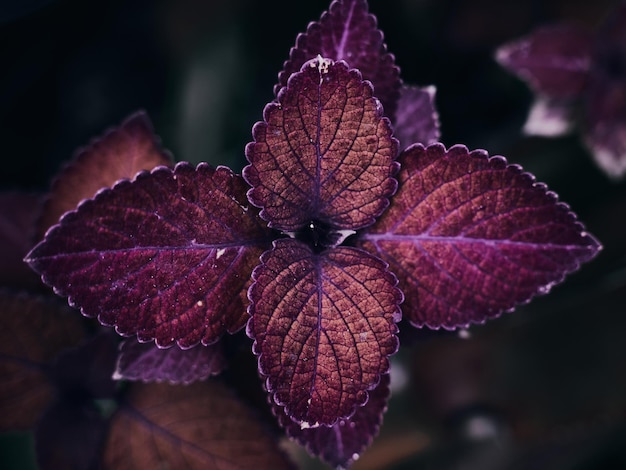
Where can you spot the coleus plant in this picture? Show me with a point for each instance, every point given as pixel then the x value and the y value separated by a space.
pixel 579 81
pixel 347 217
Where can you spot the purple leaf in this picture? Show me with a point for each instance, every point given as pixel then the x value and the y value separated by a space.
pixel 197 426
pixel 324 326
pixel 71 432
pixel 167 256
pixel 341 445
pixel 148 363
pixel 33 333
pixel 417 120
pixel 347 31
pixel 18 216
pixel 550 117
pixel 324 152
pixel 605 126
pixel 119 154
pixel 554 60
pixel 605 101
pixel 469 236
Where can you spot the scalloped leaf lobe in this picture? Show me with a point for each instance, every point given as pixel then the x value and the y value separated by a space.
pixel 348 32
pixel 470 237
pixel 324 326
pixel 167 256
pixel 324 152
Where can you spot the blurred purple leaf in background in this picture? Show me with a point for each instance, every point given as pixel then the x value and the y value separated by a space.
pixel 577 77
pixel 197 426
pixel 119 154
pixel 148 363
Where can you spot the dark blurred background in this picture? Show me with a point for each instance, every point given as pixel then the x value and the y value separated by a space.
pixel 543 388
